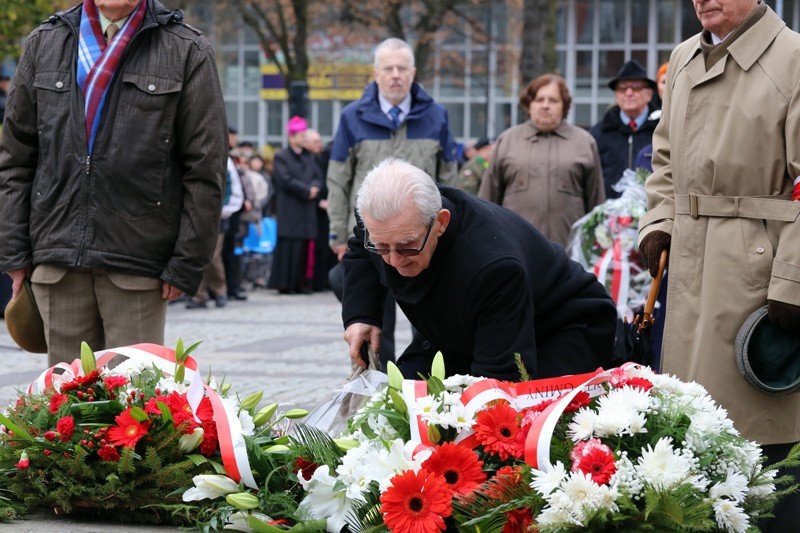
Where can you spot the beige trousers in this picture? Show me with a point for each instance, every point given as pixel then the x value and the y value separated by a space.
pixel 106 309
pixel 214 275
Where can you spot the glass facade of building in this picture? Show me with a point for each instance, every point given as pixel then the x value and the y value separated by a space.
pixel 474 69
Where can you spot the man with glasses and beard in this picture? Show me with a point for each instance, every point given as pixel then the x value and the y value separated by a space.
pixel 478 282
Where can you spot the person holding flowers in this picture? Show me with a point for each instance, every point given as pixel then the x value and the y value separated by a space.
pixel 478 282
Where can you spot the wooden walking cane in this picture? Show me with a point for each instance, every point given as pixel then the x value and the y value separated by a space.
pixel 650 304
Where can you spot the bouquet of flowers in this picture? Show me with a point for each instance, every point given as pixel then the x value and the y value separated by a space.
pixel 625 449
pixel 604 242
pixel 125 441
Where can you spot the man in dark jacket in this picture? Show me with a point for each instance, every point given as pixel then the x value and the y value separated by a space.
pixel 112 207
pixel 627 127
pixel 477 281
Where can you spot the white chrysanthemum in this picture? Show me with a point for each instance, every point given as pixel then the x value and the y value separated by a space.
pixel 428 404
pixel 547 481
pixel 582 425
pixel 458 417
pixel 730 516
pixel 248 426
pixel 458 382
pixel 663 467
pixel 550 515
pixel 733 488
pixel 324 500
pixel 167 384
pixel 583 492
pixel 129 368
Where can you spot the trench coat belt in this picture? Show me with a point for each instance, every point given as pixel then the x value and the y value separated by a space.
pixel 780 207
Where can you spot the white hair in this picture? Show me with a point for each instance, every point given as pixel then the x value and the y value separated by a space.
pixel 393 43
pixel 394 186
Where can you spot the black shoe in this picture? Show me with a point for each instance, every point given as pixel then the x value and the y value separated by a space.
pixel 238 296
pixel 194 304
pixel 221 301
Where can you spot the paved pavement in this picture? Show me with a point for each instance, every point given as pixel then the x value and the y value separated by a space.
pixel 289 346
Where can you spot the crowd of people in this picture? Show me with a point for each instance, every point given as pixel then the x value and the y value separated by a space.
pixel 388 214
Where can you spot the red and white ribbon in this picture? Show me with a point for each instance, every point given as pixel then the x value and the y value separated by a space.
pixel 540 434
pixel 796 190
pixel 229 430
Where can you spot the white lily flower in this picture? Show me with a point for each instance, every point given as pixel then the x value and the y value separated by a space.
pixel 210 486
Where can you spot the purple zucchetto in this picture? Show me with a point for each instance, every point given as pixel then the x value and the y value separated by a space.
pixel 296 125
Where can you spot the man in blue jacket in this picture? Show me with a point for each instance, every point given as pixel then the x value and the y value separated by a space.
pixel 478 282
pixel 394 117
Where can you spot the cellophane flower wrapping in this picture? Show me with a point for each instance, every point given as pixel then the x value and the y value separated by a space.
pixel 604 242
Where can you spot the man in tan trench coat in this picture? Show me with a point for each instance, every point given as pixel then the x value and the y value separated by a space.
pixel 726 153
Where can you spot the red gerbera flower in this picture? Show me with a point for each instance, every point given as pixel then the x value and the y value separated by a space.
pixel 581 399
pixel 458 465
pixel 112 382
pixel 65 427
pixel 108 453
pixel 128 430
pixel 503 483
pixel 497 429
pixel 56 401
pixel 416 502
pixel 182 415
pixel 599 464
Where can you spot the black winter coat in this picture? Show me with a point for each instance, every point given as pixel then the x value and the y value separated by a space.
pixel 148 201
pixel 619 145
pixel 294 175
pixel 495 287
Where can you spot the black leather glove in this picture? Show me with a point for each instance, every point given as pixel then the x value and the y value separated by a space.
pixel 785 315
pixel 651 247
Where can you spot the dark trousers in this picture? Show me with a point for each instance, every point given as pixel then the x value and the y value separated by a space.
pixel 5 292
pixel 386 350
pixel 787 517
pixel 232 262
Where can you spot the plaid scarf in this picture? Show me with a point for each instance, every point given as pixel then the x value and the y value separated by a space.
pixel 98 60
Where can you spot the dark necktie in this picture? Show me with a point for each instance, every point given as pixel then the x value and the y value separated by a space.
pixel 111 31
pixel 394 114
pixel 632 124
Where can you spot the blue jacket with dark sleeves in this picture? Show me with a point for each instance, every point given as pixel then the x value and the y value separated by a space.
pixel 366 137
pixel 495 286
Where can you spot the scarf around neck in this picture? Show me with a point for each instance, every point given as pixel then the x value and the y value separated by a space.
pixel 98 60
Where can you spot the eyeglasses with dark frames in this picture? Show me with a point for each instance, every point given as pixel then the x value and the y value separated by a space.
pixel 405 252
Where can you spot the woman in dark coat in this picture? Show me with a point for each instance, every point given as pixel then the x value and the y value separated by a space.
pixel 297 184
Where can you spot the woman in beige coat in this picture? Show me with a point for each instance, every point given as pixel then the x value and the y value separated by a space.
pixel 726 152
pixel 546 170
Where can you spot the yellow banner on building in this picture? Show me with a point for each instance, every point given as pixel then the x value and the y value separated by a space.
pixel 325 82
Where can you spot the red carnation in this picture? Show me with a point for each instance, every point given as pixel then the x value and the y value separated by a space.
pixel 112 382
pixel 582 399
pixel 65 427
pixel 151 408
pixel 642 383
pixel 50 435
pixel 22 464
pixel 210 442
pixel 497 429
pixel 306 467
pixel 56 401
pixel 458 465
pixel 108 453
pixel 128 430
